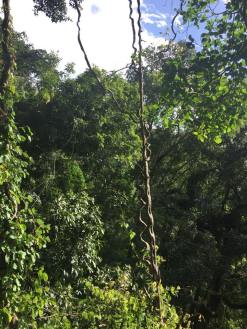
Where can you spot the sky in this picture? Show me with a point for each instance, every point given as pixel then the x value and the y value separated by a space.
pixel 105 30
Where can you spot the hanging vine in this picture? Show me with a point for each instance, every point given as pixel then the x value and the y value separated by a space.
pixel 146 216
pixel 146 199
pixel 104 90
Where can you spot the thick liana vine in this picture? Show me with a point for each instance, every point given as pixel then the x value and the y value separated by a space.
pixel 146 199
pixel 147 219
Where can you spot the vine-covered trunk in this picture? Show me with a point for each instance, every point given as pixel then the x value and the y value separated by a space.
pixel 5 122
pixel 8 59
pixel 22 232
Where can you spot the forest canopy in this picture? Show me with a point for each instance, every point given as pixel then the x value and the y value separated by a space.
pixel 123 196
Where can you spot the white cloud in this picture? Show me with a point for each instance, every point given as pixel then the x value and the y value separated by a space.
pixel 159 20
pixel 179 21
pixel 105 32
pixel 150 39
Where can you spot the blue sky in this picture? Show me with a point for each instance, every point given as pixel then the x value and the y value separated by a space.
pixel 106 31
pixel 168 9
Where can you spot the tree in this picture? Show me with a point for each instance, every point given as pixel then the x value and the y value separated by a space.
pixel 22 230
pixel 78 198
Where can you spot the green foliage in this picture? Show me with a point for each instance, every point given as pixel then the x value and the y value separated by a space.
pixel 200 197
pixel 216 77
pixel 120 308
pixel 22 230
pixel 76 237
pixel 115 304
pixel 70 248
pixel 56 10
pixel 58 173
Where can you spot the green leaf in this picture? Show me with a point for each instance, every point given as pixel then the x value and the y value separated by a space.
pixel 132 235
pixel 218 140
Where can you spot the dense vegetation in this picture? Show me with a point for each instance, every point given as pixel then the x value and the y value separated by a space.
pixel 72 253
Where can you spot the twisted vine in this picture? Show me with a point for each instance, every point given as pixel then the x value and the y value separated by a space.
pixel 146 208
